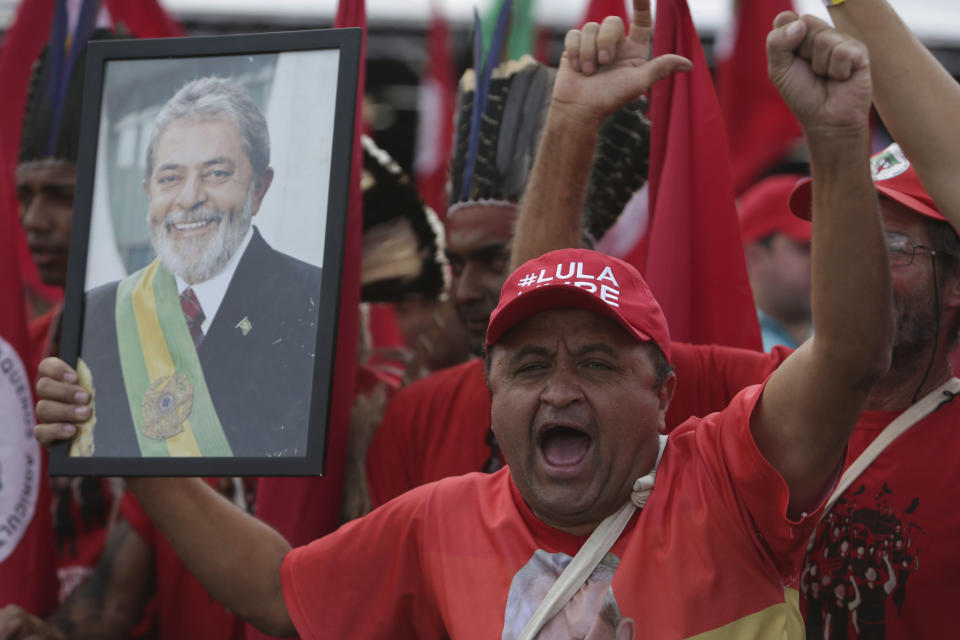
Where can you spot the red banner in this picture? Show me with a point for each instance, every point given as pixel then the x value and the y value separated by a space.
pixel 692 257
pixel 438 92
pixel 760 127
pixel 27 550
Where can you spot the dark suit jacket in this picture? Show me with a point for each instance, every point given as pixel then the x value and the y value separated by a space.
pixel 260 383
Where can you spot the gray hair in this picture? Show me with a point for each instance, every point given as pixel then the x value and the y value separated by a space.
pixel 215 97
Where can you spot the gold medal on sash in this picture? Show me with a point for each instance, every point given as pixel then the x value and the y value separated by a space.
pixel 166 406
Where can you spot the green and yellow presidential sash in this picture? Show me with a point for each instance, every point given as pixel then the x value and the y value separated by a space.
pixel 171 406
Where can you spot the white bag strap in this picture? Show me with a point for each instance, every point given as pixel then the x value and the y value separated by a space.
pixel 914 414
pixel 591 553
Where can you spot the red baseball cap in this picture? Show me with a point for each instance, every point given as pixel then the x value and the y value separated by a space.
pixel 765 210
pixel 580 279
pixel 893 177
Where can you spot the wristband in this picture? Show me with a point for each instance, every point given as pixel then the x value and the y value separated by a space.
pixel 832 3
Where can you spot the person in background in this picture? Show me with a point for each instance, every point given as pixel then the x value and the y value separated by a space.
pixel 776 244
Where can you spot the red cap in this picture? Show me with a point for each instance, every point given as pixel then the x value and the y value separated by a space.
pixel 893 177
pixel 580 279
pixel 765 210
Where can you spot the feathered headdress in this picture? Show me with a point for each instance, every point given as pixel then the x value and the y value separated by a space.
pixel 403 242
pixel 51 121
pixel 501 111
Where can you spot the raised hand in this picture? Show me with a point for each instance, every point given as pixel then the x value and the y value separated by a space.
pixel 822 74
pixel 603 67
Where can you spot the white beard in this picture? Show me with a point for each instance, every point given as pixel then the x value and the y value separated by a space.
pixel 199 259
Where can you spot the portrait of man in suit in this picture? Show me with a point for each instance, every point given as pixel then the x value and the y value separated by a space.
pixel 213 340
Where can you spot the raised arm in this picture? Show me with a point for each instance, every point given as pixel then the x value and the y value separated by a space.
pixel 891 582
pixel 110 602
pixel 916 97
pixel 234 556
pixel 601 70
pixel 811 403
pixel 853 604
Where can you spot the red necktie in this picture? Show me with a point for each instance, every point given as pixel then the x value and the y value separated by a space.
pixel 193 312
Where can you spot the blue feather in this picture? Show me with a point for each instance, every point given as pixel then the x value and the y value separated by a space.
pixel 55 51
pixel 496 44
pixel 473 140
pixel 86 23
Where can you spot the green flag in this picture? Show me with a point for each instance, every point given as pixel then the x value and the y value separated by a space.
pixel 522 30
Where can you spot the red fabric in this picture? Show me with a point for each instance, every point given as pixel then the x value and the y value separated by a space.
pixel 597 10
pixel 439 561
pixel 83 508
pixel 438 90
pixel 390 353
pixel 304 508
pixel 760 127
pixel 765 210
pixel 433 428
pixel 903 505
pixel 22 43
pixel 692 257
pixel 144 18
pixel 27 569
pixel 184 608
pixel 439 426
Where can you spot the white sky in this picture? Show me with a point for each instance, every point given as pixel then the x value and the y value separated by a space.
pixel 936 21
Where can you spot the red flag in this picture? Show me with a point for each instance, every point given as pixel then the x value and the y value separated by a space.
pixel 144 18
pixel 597 10
pixel 27 549
pixel 692 258
pixel 435 131
pixel 760 127
pixel 22 44
pixel 303 509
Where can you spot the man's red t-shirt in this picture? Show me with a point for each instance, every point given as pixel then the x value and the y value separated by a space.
pixel 709 554
pixel 900 514
pixel 440 426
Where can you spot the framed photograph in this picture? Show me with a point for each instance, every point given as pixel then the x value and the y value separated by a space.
pixel 206 253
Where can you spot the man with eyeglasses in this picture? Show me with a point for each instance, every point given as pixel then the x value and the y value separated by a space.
pixel 903 505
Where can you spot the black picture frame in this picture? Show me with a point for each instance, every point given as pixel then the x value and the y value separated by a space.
pixel 289 76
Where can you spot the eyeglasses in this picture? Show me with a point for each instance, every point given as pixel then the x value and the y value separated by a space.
pixel 901 250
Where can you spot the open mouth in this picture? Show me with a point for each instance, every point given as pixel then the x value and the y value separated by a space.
pixel 564 447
